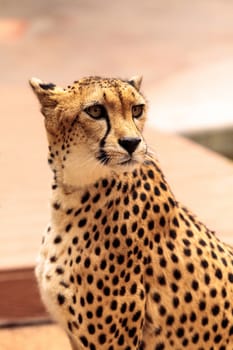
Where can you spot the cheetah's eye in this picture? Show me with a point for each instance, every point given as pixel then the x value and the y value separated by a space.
pixel 96 111
pixel 137 111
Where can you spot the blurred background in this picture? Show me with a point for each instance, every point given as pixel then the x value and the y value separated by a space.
pixel 183 49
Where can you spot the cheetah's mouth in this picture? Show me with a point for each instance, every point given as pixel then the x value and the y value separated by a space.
pixel 105 159
pixel 129 161
pixel 114 159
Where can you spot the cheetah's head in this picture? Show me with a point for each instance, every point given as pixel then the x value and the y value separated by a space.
pixel 94 127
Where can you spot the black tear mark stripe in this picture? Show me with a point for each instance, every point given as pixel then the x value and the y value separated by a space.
pixel 102 141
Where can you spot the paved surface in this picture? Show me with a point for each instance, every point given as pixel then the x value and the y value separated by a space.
pixel 184 49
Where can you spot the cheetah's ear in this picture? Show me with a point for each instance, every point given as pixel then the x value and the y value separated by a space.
pixel 136 81
pixel 49 96
pixel 47 93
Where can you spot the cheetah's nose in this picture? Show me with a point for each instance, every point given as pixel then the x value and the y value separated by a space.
pixel 129 143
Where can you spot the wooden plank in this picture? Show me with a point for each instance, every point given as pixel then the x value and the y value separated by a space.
pixel 19 297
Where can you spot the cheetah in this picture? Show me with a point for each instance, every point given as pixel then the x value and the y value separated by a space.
pixel 123 264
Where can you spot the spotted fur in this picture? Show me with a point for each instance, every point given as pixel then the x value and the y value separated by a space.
pixel 123 265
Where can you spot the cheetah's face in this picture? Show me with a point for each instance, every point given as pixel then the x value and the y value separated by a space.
pixel 94 125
